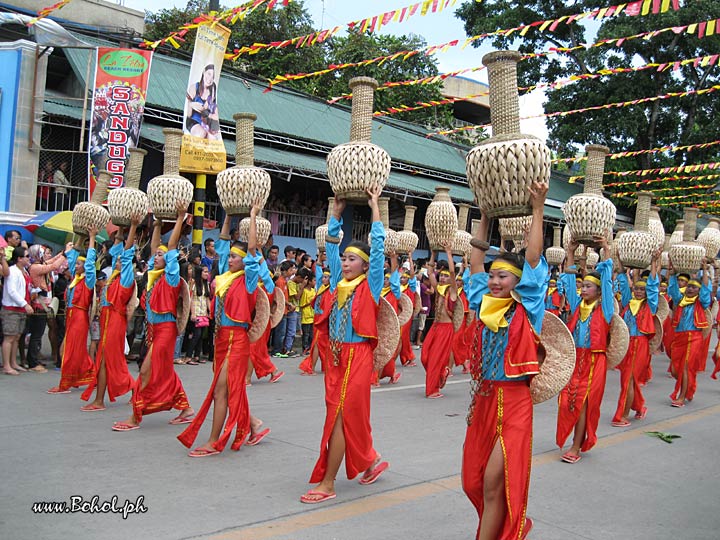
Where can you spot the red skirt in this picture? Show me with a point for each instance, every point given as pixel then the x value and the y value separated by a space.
pixel 321 341
pixel 687 348
pixel 164 391
pixel 461 347
pixel 232 346
pixel 111 348
pixel 587 385
pixel 347 391
pixel 635 366
pixel 77 368
pixel 407 355
pixel 505 416
pixel 259 355
pixel 435 354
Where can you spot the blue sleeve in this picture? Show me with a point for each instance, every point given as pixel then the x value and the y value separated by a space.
pixel 624 288
pixel 466 277
pixel 605 268
pixel 376 272
pixel 395 284
pixel 318 276
pixel 72 257
pixel 172 267
pixel 705 296
pixel 115 251
pixel 476 289
pixel 252 271
pixel 560 286
pixel 673 290
pixel 127 274
pixel 90 268
pixel 333 253
pixel 413 284
pixel 222 248
pixel 571 295
pixel 532 289
pixel 652 293
pixel 264 273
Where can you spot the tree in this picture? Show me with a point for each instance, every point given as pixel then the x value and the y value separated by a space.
pixel 671 122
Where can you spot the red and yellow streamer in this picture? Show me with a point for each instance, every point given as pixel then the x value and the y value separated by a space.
pixel 44 12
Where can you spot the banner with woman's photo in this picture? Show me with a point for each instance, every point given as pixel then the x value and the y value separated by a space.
pixel 118 104
pixel 202 149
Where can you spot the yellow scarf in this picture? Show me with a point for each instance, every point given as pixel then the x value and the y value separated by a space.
pixel 322 289
pixel 551 290
pixel 492 311
pixel 586 309
pixel 442 288
pixel 682 290
pixel 345 288
pixel 635 304
pixel 384 291
pixel 460 289
pixel 76 280
pixel 153 276
pixel 115 273
pixel 223 282
pixel 403 288
pixel 687 301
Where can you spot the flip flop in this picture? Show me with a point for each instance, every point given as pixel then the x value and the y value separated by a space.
pixel 395 378
pixel 124 426
pixel 435 395
pixel 528 527
pixel 203 452
pixel 444 376
pixel 620 423
pixel 279 375
pixel 321 497
pixel 677 403
pixel 641 414
pixel 380 468
pixel 255 439
pixel 57 390
pixel 567 457
pixel 91 408
pixel 21 369
pixel 11 372
pixel 180 419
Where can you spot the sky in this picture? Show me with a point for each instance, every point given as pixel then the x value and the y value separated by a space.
pixel 436 28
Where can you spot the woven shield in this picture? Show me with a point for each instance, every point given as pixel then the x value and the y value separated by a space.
pixel 261 318
pixel 388 329
pixel 618 341
pixel 708 329
pixel 656 340
pixel 183 308
pixel 277 310
pixel 663 310
pixel 458 315
pixel 557 355
pixel 417 304
pixel 405 309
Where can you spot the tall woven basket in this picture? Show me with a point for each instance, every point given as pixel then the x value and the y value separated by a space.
pixel 555 255
pixel 358 165
pixel 407 240
pixel 589 213
pixel 91 214
pixel 665 255
pixel 593 257
pixel 166 190
pixel 656 228
pixel 709 238
pixel 515 229
pixel 321 232
pixel 635 248
pixel 240 186
pixel 263 230
pixel 441 221
pixel 688 255
pixel 677 235
pixel 501 169
pixel 461 242
pixel 125 202
pixel 391 237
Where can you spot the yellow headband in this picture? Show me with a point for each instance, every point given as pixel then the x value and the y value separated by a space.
pixel 640 283
pixel 81 259
pixel 359 252
pixel 444 273
pixel 592 279
pixel 162 248
pixel 326 272
pixel 694 282
pixel 553 281
pixel 502 265
pixel 238 251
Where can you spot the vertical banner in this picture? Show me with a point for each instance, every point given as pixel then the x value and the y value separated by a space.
pixel 202 148
pixel 118 104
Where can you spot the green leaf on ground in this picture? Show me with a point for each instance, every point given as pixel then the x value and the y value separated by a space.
pixel 667 437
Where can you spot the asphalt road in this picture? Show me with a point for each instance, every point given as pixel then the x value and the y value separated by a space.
pixel 630 486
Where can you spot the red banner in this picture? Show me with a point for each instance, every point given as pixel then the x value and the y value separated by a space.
pixel 121 82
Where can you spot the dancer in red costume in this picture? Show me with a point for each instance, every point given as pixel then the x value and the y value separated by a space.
pixel 355 283
pixel 509 302
pixel 579 402
pixel 410 287
pixel 716 354
pixel 438 342
pixel 320 343
pixel 111 372
pixel 688 322
pixel 391 292
pixel 554 300
pixel 158 387
pixel 77 368
pixel 638 307
pixel 235 297
pixel 461 346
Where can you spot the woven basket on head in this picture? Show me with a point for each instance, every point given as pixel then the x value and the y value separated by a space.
pixel 359 165
pixel 501 169
pixel 125 202
pixel 656 228
pixel 441 221
pixel 592 258
pixel 388 330
pixel 555 255
pixel 461 241
pixel 618 341
pixel 91 214
pixel 239 187
pixel 407 240
pixel 677 235
pixel 636 248
pixel 590 214
pixel 391 237
pixel 709 238
pixel 688 255
pixel 321 232
pixel 261 318
pixel 515 229
pixel 557 353
pixel 166 190
pixel 263 229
